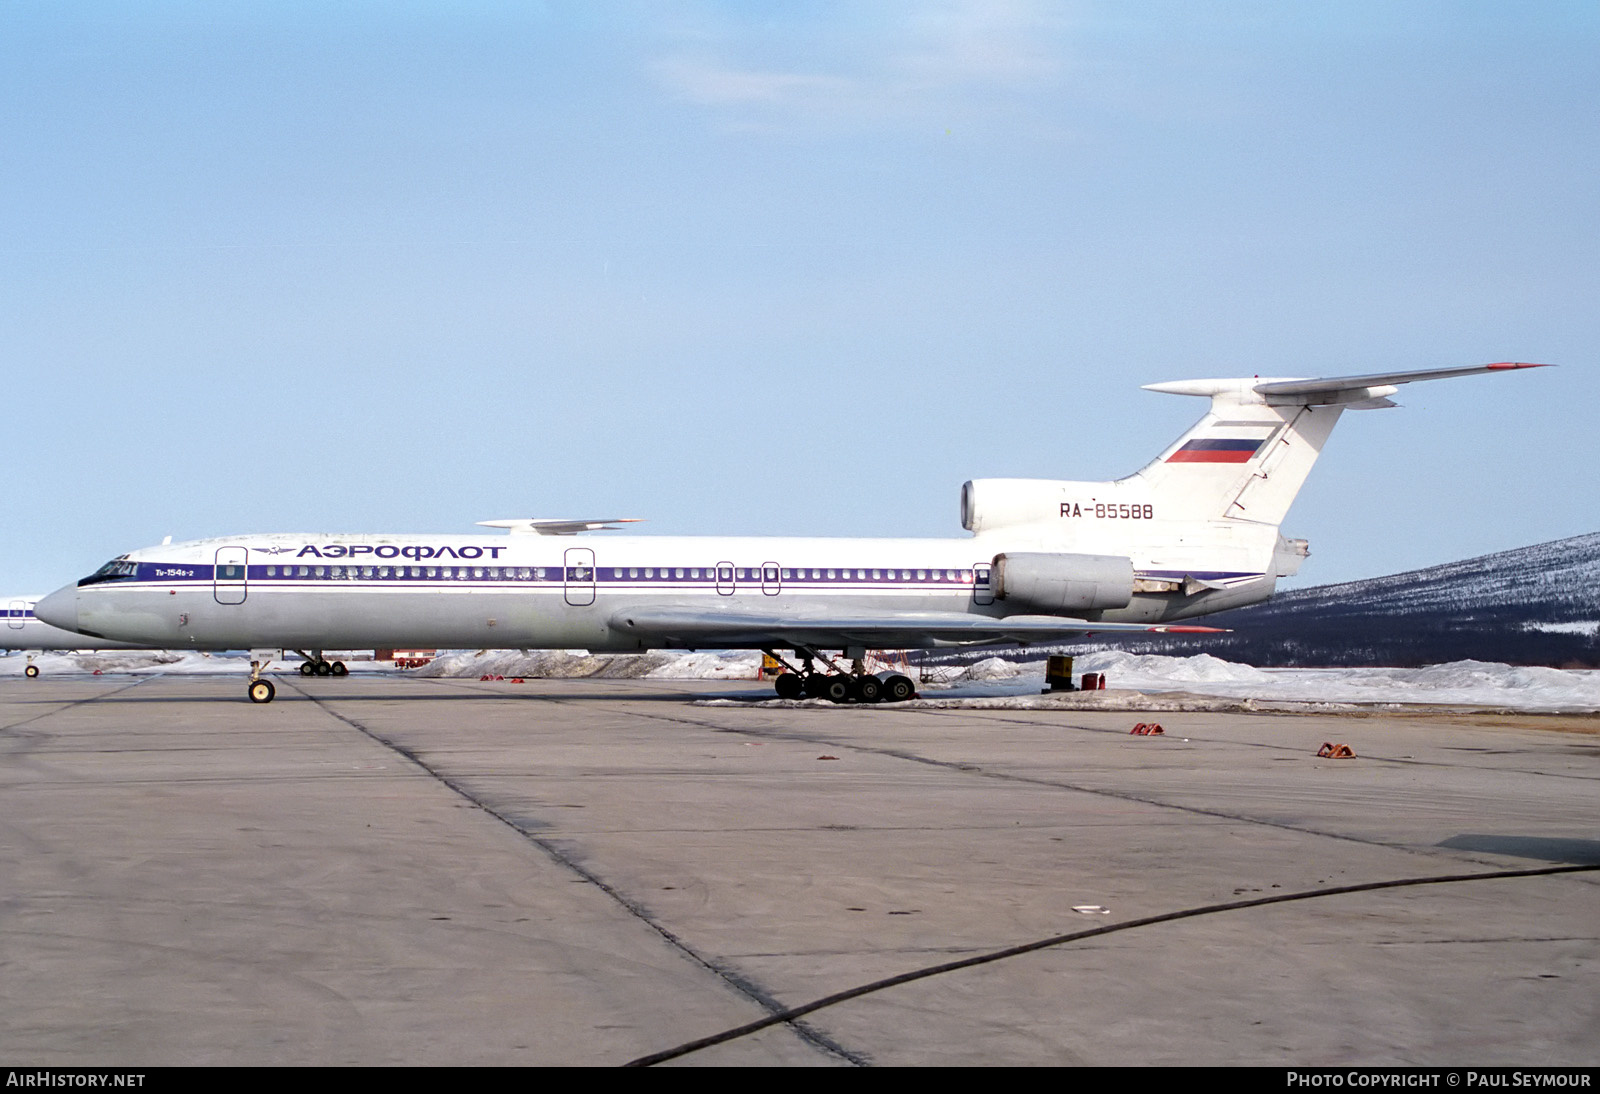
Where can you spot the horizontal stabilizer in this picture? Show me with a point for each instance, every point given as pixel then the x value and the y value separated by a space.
pixel 540 526
pixel 1338 384
pixel 891 630
pixel 1353 392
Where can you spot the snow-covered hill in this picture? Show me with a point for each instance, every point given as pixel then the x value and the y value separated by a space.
pixel 1538 605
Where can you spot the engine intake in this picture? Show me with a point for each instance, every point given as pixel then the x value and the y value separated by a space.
pixel 1057 582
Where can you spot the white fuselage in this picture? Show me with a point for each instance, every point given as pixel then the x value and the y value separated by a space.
pixel 527 591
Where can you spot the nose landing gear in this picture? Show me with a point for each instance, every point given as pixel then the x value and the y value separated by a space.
pixel 259 690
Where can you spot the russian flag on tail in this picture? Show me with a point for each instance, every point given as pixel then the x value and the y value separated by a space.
pixel 1216 450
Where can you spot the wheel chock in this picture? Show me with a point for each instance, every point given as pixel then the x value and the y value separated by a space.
pixel 1331 751
pixel 1147 730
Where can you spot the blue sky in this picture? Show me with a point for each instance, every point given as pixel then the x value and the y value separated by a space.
pixel 790 269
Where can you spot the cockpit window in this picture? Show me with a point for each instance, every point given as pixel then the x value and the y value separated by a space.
pixel 118 569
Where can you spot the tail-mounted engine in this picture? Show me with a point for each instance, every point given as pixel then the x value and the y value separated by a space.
pixel 1054 583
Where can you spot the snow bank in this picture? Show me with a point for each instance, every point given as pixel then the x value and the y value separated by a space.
pixel 1463 683
pixel 120 661
pixel 574 664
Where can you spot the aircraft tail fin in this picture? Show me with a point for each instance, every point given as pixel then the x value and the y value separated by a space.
pixel 1248 457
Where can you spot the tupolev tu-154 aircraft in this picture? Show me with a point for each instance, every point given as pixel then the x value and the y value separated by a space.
pixel 1195 531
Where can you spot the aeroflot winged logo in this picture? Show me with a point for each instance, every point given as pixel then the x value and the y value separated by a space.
pixel 390 550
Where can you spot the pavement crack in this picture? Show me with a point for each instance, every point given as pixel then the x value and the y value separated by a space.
pixel 738 982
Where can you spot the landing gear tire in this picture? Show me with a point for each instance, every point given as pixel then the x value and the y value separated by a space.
pixel 308 668
pixel 836 689
pixel 788 686
pixel 868 689
pixel 338 669
pixel 324 669
pixel 814 684
pixel 262 691
pixel 897 689
pixel 31 671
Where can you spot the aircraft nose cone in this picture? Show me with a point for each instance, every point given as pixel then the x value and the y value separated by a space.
pixel 59 609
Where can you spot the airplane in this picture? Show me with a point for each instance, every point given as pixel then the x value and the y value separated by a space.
pixel 1195 531
pixel 25 631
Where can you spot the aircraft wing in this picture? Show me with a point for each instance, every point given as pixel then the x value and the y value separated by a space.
pixel 896 630
pixel 541 526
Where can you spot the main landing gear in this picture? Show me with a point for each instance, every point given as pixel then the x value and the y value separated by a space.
pixel 855 686
pixel 315 665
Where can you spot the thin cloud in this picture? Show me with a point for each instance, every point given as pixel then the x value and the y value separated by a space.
pixel 956 58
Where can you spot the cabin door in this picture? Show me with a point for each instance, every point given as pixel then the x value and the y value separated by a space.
pixel 229 579
pixel 982 583
pixel 578 582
